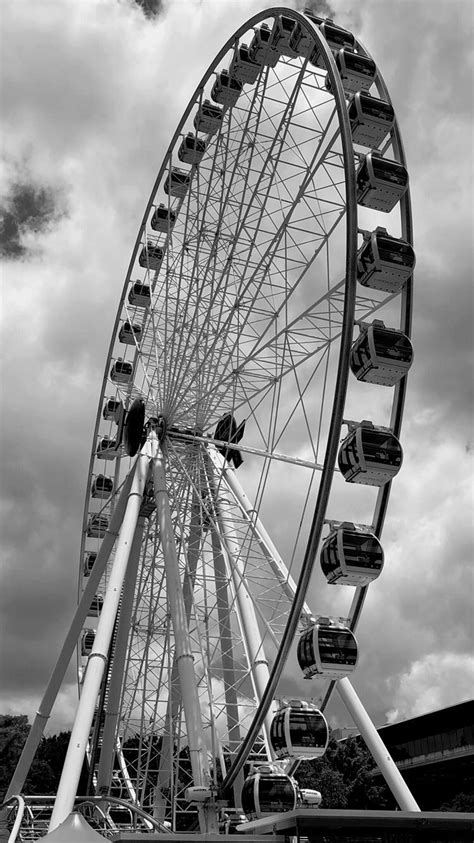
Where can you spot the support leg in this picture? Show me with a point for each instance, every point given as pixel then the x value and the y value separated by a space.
pixel 385 762
pixel 97 660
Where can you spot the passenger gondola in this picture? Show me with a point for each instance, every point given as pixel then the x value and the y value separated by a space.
pixel 87 642
pixel 381 182
pixel 381 355
pixel 371 120
pixel 327 648
pixel 106 448
pixel 370 455
pixel 97 526
pixel 268 792
pixel 102 486
pixel 283 29
pixel 163 218
pixel 299 730
pixel 139 294
pixel 301 41
pixel 226 90
pixel 260 49
pixel 177 182
pixel 243 68
pixel 130 334
pixel 208 118
pixel 111 409
pixel 384 262
pixel 357 72
pixel 151 256
pixel 96 606
pixel 121 371
pixel 191 149
pixel 89 561
pixel 337 39
pixel 351 556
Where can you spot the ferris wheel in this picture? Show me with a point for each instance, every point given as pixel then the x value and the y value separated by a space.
pixel 234 475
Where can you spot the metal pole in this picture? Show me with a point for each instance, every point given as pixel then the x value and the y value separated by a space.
pixel 109 742
pixel 264 541
pixel 96 663
pixel 381 755
pixel 183 648
pixel 257 660
pixel 80 615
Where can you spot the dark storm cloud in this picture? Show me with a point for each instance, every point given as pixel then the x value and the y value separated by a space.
pixel 150 8
pixel 28 208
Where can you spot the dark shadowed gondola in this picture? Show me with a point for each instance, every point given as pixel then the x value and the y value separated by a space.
pixel 163 218
pixel 139 294
pixel 87 642
pixel 384 262
pixel 327 648
pixel 151 256
pixel 102 486
pixel 133 428
pixel 121 371
pixel 381 355
pixel 268 792
pixel 357 72
pixel 370 455
pixel 129 333
pixel 351 556
pixel 299 730
pixel 371 119
pixel 227 431
pixel 89 561
pixel 191 149
pixel 380 182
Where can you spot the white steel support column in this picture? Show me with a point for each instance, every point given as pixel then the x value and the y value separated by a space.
pixel 97 660
pixel 183 649
pixel 166 754
pixel 260 534
pixel 109 741
pixel 381 755
pixel 257 660
pixel 227 656
pixel 36 732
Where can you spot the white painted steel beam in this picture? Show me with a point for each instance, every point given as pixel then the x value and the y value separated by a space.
pixel 97 660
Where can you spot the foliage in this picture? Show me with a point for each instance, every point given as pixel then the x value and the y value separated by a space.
pixel 462 802
pixel 45 771
pixel 344 776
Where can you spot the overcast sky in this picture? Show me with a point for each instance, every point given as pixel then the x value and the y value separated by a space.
pixel 91 94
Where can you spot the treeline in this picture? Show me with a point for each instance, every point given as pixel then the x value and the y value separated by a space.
pixel 345 775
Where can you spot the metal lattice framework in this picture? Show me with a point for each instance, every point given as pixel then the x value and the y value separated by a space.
pixel 253 300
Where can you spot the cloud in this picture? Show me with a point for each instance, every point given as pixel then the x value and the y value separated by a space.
pixel 92 95
pixel 436 681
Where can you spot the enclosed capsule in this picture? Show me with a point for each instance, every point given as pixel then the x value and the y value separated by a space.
pixel 243 68
pixel 260 49
pixel 208 117
pixel 350 556
pixel 337 39
pixel 139 294
pixel 163 218
pixel 111 409
pixel 302 42
pixel 268 792
pixel 96 606
pixel 106 448
pixel 102 486
pixel 226 90
pixel 299 730
pixel 151 256
pixel 191 149
pixel 327 648
pixel 357 72
pixel 121 371
pixel 87 642
pixel 130 334
pixel 97 526
pixel 381 182
pixel 384 262
pixel 370 455
pixel 371 120
pixel 283 29
pixel 381 355
pixel 177 182
pixel 89 561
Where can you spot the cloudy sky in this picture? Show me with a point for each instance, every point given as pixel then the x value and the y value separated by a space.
pixel 91 93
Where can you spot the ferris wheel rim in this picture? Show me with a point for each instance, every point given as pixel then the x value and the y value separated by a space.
pixel 350 283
